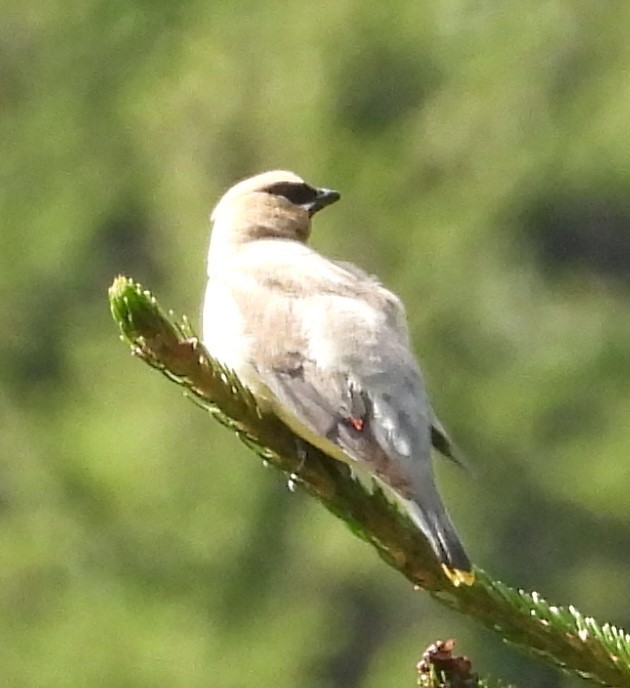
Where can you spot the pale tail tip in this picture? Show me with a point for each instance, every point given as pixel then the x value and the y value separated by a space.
pixel 458 577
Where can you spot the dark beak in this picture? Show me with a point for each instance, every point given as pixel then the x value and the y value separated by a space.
pixel 324 197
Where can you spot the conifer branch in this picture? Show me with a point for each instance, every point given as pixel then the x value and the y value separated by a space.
pixel 561 636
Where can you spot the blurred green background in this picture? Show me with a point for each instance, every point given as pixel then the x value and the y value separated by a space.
pixel 483 154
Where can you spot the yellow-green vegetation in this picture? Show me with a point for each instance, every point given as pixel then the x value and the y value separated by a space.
pixel 483 154
pixel 560 635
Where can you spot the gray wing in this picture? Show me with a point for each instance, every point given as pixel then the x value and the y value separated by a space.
pixel 349 377
pixel 331 346
pixel 440 439
pixel 365 419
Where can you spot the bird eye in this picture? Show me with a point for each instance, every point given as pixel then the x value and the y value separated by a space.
pixel 298 194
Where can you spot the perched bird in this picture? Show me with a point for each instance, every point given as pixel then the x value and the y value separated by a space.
pixel 325 346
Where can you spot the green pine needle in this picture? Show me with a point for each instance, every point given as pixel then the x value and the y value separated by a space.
pixel 562 636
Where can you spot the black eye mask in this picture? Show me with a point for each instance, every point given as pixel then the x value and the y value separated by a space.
pixel 303 195
pixel 298 194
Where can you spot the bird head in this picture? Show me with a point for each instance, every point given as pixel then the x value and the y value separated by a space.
pixel 276 204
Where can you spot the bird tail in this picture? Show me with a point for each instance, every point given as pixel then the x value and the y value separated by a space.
pixel 432 521
pixel 436 526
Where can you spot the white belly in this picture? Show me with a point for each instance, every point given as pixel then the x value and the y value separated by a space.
pixel 223 334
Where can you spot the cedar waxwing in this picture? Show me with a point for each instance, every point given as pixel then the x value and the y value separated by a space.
pixel 325 346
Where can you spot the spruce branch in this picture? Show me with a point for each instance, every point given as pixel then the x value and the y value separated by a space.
pixel 577 644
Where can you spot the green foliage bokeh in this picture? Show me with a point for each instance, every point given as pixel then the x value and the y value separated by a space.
pixel 482 154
